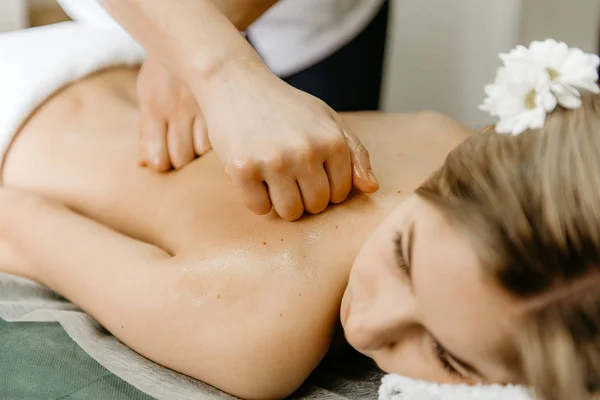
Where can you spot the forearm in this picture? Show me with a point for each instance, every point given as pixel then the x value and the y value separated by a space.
pixel 242 13
pixel 192 37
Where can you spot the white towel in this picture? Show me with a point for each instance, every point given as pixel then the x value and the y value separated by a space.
pixel 395 387
pixel 36 62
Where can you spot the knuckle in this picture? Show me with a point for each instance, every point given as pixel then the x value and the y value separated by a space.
pixel 242 167
pixel 187 100
pixel 361 151
pixel 292 214
pixel 317 206
pixel 322 106
pixel 174 136
pixel 177 164
pixel 161 164
pixel 305 152
pixel 202 148
pixel 162 167
pixel 337 144
pixel 274 163
pixel 341 194
pixel 179 161
pixel 290 209
pixel 200 127
pixel 259 208
pixel 154 132
pixel 153 105
pixel 330 125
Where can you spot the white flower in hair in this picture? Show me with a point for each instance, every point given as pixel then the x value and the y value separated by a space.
pixel 534 80
pixel 568 69
pixel 520 97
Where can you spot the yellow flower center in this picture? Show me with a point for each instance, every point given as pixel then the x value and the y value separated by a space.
pixel 553 73
pixel 530 100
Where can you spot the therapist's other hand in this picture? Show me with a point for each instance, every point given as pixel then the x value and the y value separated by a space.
pixel 282 148
pixel 172 127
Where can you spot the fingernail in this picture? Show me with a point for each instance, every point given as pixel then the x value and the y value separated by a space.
pixel 372 177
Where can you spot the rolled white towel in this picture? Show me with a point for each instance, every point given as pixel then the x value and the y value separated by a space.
pixel 395 387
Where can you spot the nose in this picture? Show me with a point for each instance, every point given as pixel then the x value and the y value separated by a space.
pixel 381 322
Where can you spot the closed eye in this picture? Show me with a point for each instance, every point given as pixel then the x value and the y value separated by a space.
pixel 403 259
pixel 442 358
pixel 399 254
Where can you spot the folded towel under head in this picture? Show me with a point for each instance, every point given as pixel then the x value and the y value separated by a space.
pixel 395 387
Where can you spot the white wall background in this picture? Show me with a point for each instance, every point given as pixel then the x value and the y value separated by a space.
pixel 13 14
pixel 443 52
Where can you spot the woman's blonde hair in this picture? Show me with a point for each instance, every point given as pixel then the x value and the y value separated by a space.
pixel 531 205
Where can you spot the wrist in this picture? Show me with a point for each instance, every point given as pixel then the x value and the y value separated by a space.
pixel 232 71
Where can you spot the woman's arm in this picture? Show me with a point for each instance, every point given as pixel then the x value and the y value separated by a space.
pixel 68 252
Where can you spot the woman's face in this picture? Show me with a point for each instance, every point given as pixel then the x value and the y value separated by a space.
pixel 420 305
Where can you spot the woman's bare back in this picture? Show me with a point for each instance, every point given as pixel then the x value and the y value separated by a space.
pixel 250 295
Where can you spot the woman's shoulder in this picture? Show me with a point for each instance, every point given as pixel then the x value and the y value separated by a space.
pixel 415 128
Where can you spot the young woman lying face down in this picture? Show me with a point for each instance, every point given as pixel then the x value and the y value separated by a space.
pixel 487 272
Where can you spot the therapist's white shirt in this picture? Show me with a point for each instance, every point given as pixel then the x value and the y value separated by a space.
pixel 291 36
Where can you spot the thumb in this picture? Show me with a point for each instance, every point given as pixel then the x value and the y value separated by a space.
pixel 362 174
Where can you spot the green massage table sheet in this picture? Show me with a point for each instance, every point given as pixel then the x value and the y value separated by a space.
pixel 40 361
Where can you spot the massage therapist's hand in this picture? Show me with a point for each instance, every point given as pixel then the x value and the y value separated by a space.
pixel 282 148
pixel 172 127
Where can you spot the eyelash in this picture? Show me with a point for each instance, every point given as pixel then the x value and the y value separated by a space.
pixel 439 353
pixel 402 265
pixel 400 255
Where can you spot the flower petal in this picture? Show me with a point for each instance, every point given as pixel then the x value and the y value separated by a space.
pixel 557 56
pixel 521 124
pixel 505 125
pixel 546 100
pixel 537 118
pixel 568 100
